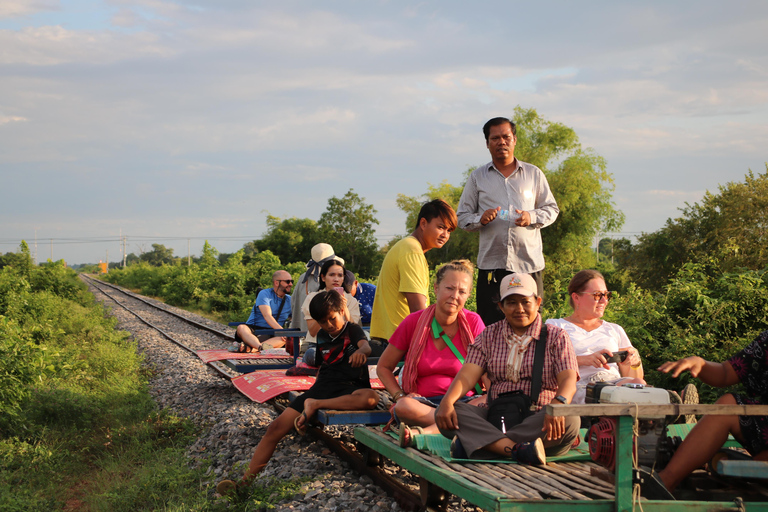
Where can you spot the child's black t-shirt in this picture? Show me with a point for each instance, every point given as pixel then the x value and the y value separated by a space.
pixel 334 352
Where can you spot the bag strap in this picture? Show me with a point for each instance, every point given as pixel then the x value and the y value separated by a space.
pixel 282 303
pixel 438 332
pixel 538 365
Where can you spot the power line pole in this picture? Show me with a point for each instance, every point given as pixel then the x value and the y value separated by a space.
pixel 189 255
pixel 125 256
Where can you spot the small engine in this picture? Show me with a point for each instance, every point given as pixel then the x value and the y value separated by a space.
pixel 652 445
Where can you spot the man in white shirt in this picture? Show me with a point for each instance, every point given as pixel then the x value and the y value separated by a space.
pixel 512 244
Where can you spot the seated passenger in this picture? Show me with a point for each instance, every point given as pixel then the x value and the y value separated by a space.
pixel 271 310
pixel 309 282
pixel 430 362
pixel 364 293
pixel 748 367
pixel 331 278
pixel 594 340
pixel 342 381
pixel 506 351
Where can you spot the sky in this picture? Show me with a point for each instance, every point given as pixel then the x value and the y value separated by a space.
pixel 175 122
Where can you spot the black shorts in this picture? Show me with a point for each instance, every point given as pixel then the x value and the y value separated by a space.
pixel 262 337
pixel 327 390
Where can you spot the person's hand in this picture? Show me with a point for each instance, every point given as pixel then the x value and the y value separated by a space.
pixel 693 364
pixel 596 359
pixel 554 426
pixel 446 418
pixel 524 218
pixel 489 215
pixel 357 359
pixel 633 359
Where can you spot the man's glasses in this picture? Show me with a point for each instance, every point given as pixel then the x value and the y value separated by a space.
pixel 599 295
pixel 289 281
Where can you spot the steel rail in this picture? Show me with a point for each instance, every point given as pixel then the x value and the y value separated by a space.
pixel 366 463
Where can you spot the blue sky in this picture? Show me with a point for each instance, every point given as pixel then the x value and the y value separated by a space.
pixel 172 120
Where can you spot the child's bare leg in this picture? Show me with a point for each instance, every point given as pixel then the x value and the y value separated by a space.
pixel 359 399
pixel 266 447
pixel 708 436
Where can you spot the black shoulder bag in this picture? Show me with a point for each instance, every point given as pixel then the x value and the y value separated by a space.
pixel 511 408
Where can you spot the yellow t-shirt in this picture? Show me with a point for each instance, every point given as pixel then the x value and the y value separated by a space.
pixel 404 270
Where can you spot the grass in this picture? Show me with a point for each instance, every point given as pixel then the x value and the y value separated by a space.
pixel 87 435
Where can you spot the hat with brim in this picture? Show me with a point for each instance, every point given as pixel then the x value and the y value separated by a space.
pixel 322 252
pixel 517 284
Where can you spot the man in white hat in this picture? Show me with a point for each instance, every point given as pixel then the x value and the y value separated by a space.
pixel 309 282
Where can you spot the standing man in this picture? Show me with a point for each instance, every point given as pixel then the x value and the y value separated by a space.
pixel 271 310
pixel 512 244
pixel 403 285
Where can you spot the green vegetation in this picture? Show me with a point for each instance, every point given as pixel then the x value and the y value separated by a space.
pixel 78 429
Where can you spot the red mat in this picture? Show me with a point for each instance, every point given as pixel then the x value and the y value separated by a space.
pixel 263 385
pixel 219 355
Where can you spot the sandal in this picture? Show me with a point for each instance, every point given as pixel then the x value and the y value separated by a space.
pixel 407 435
pixel 302 430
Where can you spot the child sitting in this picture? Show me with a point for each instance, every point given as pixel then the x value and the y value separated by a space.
pixel 342 381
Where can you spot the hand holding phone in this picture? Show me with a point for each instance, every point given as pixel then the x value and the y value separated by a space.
pixel 617 357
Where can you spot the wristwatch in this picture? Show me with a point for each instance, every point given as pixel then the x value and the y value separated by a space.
pixel 561 398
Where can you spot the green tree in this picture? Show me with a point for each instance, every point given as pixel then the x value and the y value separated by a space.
pixel 734 220
pixel 290 239
pixel 462 244
pixel 347 224
pixel 21 260
pixel 159 255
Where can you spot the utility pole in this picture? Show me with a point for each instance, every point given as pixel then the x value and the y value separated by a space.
pixel 125 256
pixel 189 255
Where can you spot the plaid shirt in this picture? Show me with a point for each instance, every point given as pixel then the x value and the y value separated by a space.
pixel 490 351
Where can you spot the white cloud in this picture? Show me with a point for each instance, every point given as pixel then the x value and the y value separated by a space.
pixel 55 45
pixel 10 119
pixel 16 8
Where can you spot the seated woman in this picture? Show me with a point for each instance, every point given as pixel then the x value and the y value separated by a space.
pixel 747 367
pixel 594 340
pixel 424 339
pixel 331 278
pixel 506 351
pixel 342 382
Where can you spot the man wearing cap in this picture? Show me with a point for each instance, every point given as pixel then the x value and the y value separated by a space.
pixel 271 310
pixel 508 202
pixel 506 351
pixel 309 282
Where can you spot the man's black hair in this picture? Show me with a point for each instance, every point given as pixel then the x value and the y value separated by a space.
pixel 496 121
pixel 438 208
pixel 324 303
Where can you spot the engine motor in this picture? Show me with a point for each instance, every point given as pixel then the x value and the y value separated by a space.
pixel 651 447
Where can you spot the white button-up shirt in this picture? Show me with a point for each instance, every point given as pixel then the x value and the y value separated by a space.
pixel 502 243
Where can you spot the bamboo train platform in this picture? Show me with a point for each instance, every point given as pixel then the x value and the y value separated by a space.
pixel 572 483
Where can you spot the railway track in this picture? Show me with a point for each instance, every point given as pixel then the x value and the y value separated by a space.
pixel 199 336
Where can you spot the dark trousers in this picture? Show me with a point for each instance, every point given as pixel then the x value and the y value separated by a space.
pixel 487 296
pixel 475 432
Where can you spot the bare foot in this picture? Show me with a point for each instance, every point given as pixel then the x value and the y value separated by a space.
pixel 310 408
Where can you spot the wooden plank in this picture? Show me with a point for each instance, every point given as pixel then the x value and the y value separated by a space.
pixel 578 482
pixel 448 480
pixel 518 491
pixel 649 410
pixel 743 468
